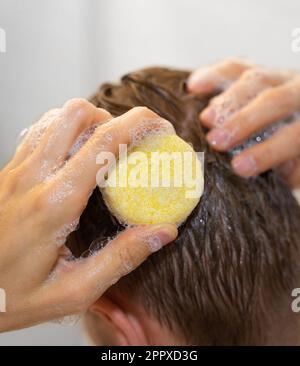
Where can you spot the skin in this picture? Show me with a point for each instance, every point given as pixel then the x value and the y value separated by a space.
pixel 120 320
pixel 40 193
pixel 251 99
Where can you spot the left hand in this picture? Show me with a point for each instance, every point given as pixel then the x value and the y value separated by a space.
pixel 252 98
pixel 43 192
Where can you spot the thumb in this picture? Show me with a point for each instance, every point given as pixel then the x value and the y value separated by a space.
pixel 79 287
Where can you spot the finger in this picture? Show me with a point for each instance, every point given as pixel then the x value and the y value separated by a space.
pixel 74 183
pixel 79 286
pixel 270 106
pixel 290 172
pixel 77 115
pixel 206 80
pixel 246 88
pixel 32 138
pixel 278 149
pixel 53 147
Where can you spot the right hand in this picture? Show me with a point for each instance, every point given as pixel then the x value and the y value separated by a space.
pixel 251 99
pixel 42 196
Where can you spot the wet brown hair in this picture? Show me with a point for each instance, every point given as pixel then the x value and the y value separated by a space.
pixel 235 259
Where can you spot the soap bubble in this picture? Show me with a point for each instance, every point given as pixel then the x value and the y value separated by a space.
pixel 65 189
pixel 64 232
pixel 69 320
pixel 261 136
pixel 82 139
pixel 96 246
pixel 37 131
pixel 151 127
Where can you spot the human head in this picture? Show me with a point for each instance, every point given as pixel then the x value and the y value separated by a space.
pixel 227 278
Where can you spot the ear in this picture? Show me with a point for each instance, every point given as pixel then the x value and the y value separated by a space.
pixel 126 326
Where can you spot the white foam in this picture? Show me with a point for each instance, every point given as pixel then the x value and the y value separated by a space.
pixel 82 139
pixel 263 135
pixel 68 320
pixel 48 169
pixel 224 108
pixel 61 192
pixel 149 127
pixel 62 234
pixel 96 246
pixel 37 131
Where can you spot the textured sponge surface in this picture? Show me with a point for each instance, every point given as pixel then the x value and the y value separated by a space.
pixel 159 181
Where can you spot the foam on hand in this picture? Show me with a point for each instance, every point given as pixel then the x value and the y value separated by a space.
pixel 160 180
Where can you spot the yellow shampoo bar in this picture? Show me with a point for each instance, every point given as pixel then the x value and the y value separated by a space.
pixel 160 180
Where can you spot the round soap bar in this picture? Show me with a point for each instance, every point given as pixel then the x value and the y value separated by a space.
pixel 160 180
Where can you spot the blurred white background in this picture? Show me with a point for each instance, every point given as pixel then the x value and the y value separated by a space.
pixel 60 49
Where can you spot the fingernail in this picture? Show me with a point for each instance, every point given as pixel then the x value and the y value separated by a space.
pixel 219 137
pixel 245 166
pixel 208 115
pixel 161 235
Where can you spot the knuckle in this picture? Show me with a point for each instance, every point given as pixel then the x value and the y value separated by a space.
pixel 234 62
pixel 257 74
pixel 263 76
pixel 149 120
pixel 270 95
pixel 125 254
pixel 144 112
pixel 78 106
pixel 250 74
pixel 127 262
pixel 224 105
pixel 109 132
pixel 104 113
pixel 12 181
